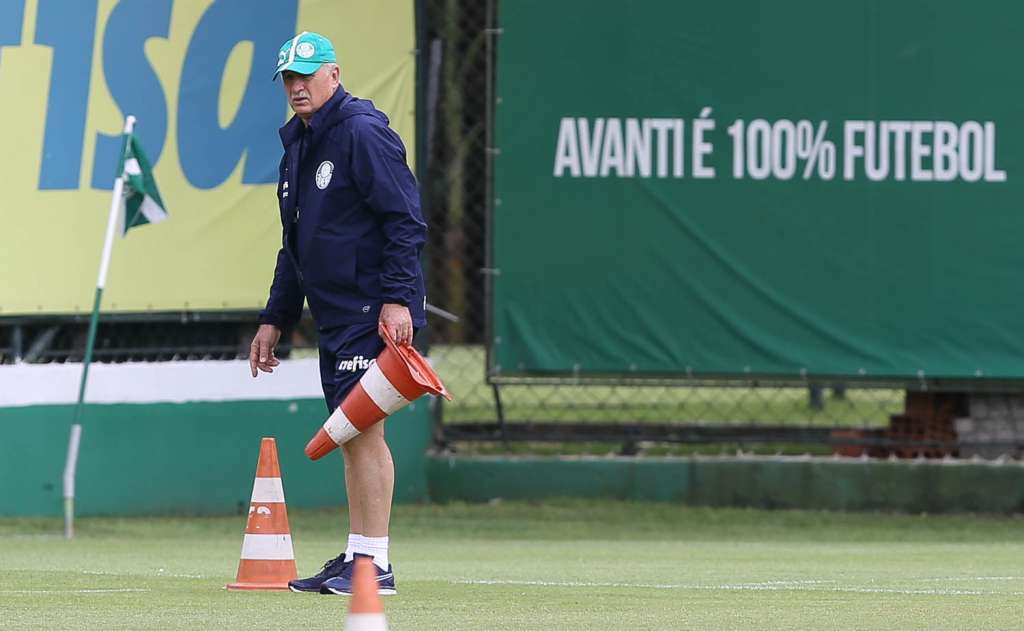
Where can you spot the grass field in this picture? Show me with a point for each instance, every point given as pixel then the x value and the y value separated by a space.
pixel 560 565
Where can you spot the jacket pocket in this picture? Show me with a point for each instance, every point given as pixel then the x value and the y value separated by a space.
pixel 330 264
pixel 368 268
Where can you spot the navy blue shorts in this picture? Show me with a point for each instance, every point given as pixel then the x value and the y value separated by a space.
pixel 345 354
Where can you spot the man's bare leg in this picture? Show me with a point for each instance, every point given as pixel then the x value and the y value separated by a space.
pixel 370 482
pixel 355 509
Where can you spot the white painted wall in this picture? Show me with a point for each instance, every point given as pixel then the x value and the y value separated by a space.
pixel 157 382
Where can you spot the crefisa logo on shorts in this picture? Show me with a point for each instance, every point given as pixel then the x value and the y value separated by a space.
pixel 351 365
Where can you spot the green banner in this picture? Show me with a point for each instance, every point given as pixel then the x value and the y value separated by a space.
pixel 783 189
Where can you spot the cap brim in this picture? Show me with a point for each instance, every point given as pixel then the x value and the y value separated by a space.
pixel 301 67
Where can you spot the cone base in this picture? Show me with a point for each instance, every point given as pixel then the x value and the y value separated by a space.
pixel 320 445
pixel 251 587
pixel 366 622
pixel 419 368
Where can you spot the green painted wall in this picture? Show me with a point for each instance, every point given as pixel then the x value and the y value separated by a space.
pixel 201 457
pixel 822 483
pixel 191 458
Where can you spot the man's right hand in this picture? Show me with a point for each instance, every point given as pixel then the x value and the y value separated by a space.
pixel 261 353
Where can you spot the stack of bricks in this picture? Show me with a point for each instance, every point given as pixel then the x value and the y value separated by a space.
pixel 997 419
pixel 928 417
pixel 856 442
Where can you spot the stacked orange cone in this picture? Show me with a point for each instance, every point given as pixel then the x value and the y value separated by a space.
pixel 398 376
pixel 367 611
pixel 268 561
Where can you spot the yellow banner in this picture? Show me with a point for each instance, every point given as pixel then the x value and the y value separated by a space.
pixel 197 75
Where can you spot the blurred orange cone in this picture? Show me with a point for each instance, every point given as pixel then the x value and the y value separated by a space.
pixel 398 376
pixel 367 611
pixel 268 561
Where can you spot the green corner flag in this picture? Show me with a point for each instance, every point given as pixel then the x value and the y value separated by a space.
pixel 140 201
pixel 135 201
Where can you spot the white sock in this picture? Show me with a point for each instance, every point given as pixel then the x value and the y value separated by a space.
pixel 377 547
pixel 353 543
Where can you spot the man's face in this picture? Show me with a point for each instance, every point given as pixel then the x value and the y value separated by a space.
pixel 308 92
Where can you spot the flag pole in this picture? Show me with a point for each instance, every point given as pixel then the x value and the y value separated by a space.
pixel 71 463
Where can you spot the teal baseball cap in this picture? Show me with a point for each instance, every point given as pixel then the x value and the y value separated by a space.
pixel 305 53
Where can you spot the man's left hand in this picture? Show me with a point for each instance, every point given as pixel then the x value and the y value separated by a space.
pixel 398 322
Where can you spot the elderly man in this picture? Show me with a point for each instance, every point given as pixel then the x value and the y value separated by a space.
pixel 353 232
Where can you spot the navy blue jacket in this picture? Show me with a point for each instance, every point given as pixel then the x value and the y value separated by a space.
pixel 353 229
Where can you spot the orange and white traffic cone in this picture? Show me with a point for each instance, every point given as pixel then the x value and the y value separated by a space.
pixel 268 561
pixel 398 376
pixel 367 611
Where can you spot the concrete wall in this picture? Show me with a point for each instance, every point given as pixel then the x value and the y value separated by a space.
pixel 805 483
pixel 184 438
